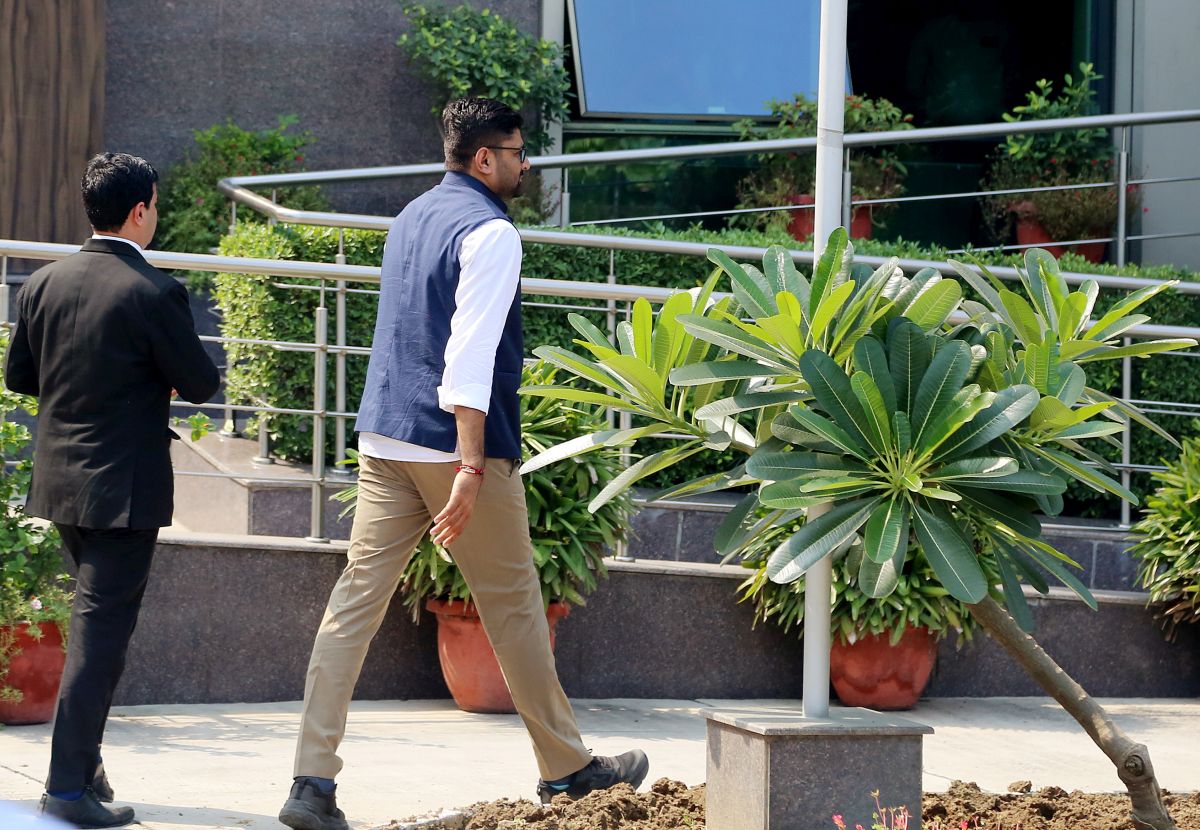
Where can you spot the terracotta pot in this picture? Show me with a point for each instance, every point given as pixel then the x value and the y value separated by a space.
pixel 804 221
pixel 36 673
pixel 1031 232
pixel 469 665
pixel 873 673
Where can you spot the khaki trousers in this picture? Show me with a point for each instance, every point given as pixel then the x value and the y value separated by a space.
pixel 396 504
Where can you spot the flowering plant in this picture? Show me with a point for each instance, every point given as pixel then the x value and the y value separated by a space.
pixel 33 588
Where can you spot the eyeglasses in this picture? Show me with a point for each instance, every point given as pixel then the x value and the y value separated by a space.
pixel 522 153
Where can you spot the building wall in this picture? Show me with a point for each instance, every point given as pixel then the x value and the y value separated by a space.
pixel 1158 68
pixel 175 66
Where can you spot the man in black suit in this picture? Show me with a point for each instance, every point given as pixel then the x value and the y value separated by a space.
pixel 102 339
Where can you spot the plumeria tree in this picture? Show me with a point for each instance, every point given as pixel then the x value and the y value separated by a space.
pixel 909 412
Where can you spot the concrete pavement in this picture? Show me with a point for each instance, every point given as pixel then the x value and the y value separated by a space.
pixel 228 766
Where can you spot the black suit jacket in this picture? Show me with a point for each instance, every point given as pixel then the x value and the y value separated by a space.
pixel 101 340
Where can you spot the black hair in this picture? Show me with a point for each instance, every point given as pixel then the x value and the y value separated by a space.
pixel 113 185
pixel 471 123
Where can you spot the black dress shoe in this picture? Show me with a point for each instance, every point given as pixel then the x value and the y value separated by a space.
pixel 101 787
pixel 307 808
pixel 603 772
pixel 85 811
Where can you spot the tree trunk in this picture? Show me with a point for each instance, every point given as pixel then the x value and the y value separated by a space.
pixel 1131 759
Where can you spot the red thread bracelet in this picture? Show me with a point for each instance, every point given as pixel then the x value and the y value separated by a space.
pixel 467 468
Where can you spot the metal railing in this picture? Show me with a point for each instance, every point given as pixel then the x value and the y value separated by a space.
pixel 616 301
pixel 238 188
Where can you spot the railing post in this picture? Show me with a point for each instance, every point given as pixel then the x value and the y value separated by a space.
pixel 339 366
pixel 233 217
pixel 564 203
pixel 624 421
pixel 4 308
pixel 271 220
pixel 1127 433
pixel 847 207
pixel 1122 195
pixel 320 358
pixel 264 456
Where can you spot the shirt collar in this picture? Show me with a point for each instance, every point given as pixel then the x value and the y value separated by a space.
pixel 136 247
pixel 455 178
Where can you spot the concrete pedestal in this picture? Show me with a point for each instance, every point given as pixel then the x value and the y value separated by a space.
pixel 773 769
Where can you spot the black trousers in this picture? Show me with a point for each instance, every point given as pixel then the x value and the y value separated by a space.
pixel 113 569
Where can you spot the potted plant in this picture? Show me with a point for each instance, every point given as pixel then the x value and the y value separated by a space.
pixel 1070 157
pixel 855 397
pixel 883 653
pixel 35 597
pixel 789 178
pixel 1168 546
pixel 568 541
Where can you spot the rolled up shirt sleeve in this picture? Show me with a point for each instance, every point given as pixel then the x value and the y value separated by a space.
pixel 489 277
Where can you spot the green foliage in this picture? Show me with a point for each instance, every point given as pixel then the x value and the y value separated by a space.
pixel 875 173
pixel 33 587
pixel 917 601
pixel 465 51
pixel 1057 158
pixel 568 541
pixel 1169 541
pixel 193 214
pixel 852 391
pixel 255 307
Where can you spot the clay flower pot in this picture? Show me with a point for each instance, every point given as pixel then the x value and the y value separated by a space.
pixel 1031 232
pixel 35 672
pixel 803 222
pixel 469 665
pixel 874 674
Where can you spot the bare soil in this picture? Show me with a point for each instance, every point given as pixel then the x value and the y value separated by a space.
pixel 670 805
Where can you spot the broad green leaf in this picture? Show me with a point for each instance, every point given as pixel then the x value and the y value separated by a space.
pixel 1029 328
pixel 751 291
pixel 640 469
pixel 1014 597
pixel 826 430
pixel 590 332
pixel 908 358
pixel 780 271
pixel 879 579
pixel 934 306
pixel 877 423
pixel 1070 385
pixel 1030 482
pixel 696 374
pixel 1071 318
pixel 918 284
pixel 582 367
pixel 1009 407
pixel 1064 576
pixel 886 533
pixel 902 429
pixel 1123 307
pixel 747 401
pixel 816 539
pixel 569 449
pixel 833 267
pixel 984 466
pixel 638 375
pixel 981 286
pixel 869 358
pixel 1041 269
pixel 730 337
pixel 1092 478
pixel 833 392
pixel 783 331
pixel 1089 429
pixel 782 466
pixel 1119 327
pixel 1141 349
pixel 571 393
pixel 829 305
pixel 942 381
pixel 789 495
pixel 643 329
pixel 1010 509
pixel 951 557
pixel 725 538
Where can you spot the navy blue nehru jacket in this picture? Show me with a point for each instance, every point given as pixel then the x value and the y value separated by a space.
pixel 408 352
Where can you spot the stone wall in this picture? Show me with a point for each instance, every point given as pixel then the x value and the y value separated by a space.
pixel 175 67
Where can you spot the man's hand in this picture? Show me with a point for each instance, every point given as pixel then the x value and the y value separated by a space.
pixel 450 523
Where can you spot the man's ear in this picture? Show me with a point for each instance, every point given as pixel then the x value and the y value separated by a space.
pixel 483 160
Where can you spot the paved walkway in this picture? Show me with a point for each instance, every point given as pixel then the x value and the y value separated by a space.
pixel 229 766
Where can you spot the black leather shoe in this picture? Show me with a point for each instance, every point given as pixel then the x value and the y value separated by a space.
pixel 603 772
pixel 85 811
pixel 101 787
pixel 307 808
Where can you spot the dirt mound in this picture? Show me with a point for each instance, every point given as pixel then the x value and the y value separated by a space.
pixel 670 805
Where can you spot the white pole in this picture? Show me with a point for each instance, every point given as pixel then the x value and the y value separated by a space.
pixel 831 119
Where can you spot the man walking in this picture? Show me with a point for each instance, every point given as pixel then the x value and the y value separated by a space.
pixel 440 443
pixel 102 339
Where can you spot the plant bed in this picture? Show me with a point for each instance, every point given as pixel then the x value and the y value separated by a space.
pixel 671 805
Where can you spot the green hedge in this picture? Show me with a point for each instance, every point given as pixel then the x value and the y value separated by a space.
pixel 252 308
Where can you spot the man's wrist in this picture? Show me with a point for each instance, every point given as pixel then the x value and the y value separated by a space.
pixel 470 469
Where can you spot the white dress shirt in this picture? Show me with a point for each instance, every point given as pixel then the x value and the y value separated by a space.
pixel 489 262
pixel 136 247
